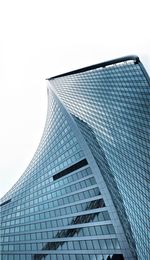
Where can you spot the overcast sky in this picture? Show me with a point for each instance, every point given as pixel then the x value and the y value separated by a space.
pixel 40 39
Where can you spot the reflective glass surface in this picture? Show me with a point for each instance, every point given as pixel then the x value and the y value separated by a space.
pixel 111 107
pixel 47 211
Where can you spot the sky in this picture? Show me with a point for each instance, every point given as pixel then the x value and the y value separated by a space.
pixel 40 39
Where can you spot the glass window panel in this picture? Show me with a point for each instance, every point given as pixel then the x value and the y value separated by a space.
pixel 89 244
pixel 102 244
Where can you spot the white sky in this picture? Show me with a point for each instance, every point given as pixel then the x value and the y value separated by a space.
pixel 40 39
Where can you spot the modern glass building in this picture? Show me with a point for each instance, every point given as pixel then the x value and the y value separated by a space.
pixel 84 195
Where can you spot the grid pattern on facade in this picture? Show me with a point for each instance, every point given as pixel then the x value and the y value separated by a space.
pixel 114 102
pixel 66 214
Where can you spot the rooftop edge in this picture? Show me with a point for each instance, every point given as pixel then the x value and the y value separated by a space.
pixel 104 64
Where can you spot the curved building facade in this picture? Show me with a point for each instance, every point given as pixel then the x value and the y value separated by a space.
pixel 84 195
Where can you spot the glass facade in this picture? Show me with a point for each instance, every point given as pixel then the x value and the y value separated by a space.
pixel 84 195
pixel 110 105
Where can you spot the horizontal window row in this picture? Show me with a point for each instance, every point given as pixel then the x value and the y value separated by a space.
pixel 79 219
pixel 76 231
pixel 55 185
pixel 51 205
pixel 48 205
pixel 95 244
pixel 59 257
pixel 56 213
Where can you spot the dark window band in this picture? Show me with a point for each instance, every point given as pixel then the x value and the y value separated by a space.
pixel 7 201
pixel 70 169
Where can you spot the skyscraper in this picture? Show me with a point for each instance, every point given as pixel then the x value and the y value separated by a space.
pixel 85 194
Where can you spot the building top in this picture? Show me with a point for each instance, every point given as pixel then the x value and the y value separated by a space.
pixel 133 58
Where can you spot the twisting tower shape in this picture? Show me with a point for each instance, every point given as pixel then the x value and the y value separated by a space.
pixel 84 195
